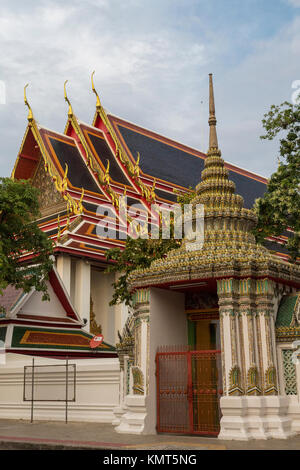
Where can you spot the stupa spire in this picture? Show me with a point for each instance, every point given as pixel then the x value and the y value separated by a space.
pixel 212 121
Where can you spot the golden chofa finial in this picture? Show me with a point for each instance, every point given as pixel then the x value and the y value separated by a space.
pixel 70 110
pixel 213 140
pixel 30 114
pixel 98 103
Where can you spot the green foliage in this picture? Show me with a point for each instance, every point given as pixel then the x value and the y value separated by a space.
pixel 280 206
pixel 185 198
pixel 139 253
pixel 20 234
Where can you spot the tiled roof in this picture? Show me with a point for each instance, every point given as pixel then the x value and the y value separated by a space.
pixel 181 167
pixel 10 297
pixel 78 173
pixel 105 154
pixel 43 338
pixel 286 310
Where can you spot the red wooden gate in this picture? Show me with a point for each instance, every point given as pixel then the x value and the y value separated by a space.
pixel 188 391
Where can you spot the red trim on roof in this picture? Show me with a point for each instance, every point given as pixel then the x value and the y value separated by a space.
pixel 59 291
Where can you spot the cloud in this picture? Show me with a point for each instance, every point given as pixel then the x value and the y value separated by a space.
pixel 48 43
pixel 152 60
pixel 294 3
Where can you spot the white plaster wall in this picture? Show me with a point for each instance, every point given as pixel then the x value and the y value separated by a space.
pixel 294 412
pixel 121 314
pixel 73 278
pixel 97 390
pixel 102 292
pixel 35 305
pixel 168 326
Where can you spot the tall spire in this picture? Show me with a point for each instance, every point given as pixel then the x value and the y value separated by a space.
pixel 213 139
pixel 215 189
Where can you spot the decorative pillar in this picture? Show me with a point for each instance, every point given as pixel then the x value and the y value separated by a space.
pixel 265 293
pixel 247 308
pixel 131 419
pixel 232 365
pixel 141 327
pixel 249 362
pixel 63 266
pixel 83 290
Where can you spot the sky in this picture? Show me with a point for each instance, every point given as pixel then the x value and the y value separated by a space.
pixel 151 62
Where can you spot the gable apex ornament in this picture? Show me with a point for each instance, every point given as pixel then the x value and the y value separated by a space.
pixel 70 110
pixel 30 113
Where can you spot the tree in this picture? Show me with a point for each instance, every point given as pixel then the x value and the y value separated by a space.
pixel 139 253
pixel 279 208
pixel 20 234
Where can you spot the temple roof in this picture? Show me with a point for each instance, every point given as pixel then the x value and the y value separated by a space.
pixel 20 304
pixel 31 326
pixel 89 165
pixel 171 162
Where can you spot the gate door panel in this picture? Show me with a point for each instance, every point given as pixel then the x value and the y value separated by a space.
pixel 188 392
pixel 205 392
pixel 172 393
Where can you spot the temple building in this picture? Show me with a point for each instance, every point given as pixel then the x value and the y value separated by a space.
pixel 210 344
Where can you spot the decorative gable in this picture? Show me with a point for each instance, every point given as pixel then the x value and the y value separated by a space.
pixel 50 200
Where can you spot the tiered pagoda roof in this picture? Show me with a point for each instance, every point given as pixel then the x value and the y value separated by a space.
pixel 89 165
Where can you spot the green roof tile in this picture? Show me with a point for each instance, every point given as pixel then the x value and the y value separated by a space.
pixel 286 310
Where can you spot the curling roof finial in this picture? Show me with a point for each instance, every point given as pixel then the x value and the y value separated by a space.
pixel 98 103
pixel 70 110
pixel 30 114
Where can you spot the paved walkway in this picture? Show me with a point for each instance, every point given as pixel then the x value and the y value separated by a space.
pixel 19 434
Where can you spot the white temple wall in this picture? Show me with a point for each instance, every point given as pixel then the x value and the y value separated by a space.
pixel 73 276
pixel 83 290
pixel 35 305
pixel 101 293
pixel 97 390
pixel 80 278
pixel 63 265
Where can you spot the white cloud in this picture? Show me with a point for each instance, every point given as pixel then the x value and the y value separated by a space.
pixel 150 69
pixel 294 3
pixel 49 43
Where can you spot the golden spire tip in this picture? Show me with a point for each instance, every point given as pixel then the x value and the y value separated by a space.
pixel 213 140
